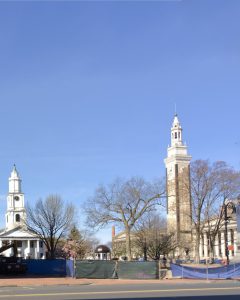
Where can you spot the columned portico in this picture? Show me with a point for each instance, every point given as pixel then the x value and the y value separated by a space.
pixel 220 243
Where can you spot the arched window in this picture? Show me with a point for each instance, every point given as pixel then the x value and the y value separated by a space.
pixel 175 135
pixel 17 217
pixel 179 135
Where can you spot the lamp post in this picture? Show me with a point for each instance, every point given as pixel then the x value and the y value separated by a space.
pixel 226 206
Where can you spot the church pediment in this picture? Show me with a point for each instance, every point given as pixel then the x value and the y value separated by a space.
pixel 17 233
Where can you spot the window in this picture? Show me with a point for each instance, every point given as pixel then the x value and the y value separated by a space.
pixel 19 244
pixel 175 135
pixel 17 218
pixel 31 244
pixel 41 244
pixel 41 255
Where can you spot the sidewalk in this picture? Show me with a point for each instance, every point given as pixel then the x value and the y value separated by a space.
pixel 40 281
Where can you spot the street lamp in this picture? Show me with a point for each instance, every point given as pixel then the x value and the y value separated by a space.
pixel 227 206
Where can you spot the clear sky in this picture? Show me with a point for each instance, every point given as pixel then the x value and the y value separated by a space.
pixel 87 90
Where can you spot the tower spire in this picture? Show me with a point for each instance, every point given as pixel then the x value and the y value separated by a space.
pixel 14 181
pixel 175 108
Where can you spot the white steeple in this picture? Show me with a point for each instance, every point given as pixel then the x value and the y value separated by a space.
pixel 14 181
pixel 15 201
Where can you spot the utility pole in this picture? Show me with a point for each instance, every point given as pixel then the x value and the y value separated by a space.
pixel 226 232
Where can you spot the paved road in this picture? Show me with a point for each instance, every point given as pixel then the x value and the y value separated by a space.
pixel 221 290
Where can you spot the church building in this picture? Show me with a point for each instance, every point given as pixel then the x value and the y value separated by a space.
pixel 16 239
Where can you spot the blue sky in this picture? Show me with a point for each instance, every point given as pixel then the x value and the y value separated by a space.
pixel 87 90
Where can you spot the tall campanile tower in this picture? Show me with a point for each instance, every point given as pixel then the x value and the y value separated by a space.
pixel 179 216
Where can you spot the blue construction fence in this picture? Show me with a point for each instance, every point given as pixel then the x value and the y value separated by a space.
pixel 45 267
pixel 226 272
pixel 128 270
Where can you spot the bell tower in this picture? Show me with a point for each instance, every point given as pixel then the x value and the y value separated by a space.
pixel 15 201
pixel 179 211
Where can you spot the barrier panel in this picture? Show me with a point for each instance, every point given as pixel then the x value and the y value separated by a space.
pixel 226 272
pixel 96 269
pixel 70 272
pixel 56 267
pixel 137 269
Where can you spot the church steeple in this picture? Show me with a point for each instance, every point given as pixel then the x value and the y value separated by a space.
pixel 15 201
pixel 176 132
pixel 14 181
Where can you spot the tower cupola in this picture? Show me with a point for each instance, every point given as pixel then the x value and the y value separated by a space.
pixel 176 132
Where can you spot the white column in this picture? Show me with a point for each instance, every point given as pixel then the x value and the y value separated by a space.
pixel 223 244
pixel 0 243
pixel 200 248
pixel 37 249
pixel 216 246
pixel 28 248
pixel 11 249
pixel 205 241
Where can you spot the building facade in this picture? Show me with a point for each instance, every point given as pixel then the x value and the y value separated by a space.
pixel 226 239
pixel 16 239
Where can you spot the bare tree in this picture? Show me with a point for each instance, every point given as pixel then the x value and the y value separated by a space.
pixel 50 220
pixel 152 239
pixel 211 185
pixel 228 185
pixel 124 203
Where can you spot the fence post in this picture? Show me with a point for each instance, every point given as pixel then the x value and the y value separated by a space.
pixel 74 267
pixel 207 272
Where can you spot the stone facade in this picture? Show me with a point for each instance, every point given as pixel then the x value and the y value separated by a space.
pixel 179 220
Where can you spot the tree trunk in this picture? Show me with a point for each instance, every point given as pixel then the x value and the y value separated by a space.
pixel 128 243
pixel 212 244
pixel 145 251
pixel 197 256
pixel 52 249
